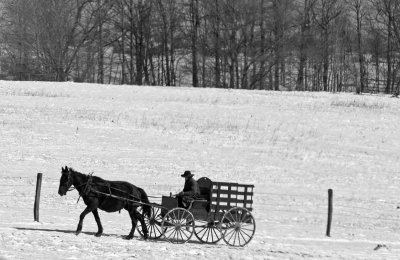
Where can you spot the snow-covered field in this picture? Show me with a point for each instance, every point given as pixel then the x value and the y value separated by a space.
pixel 292 146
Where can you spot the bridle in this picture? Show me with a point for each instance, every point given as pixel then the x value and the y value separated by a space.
pixel 69 181
pixel 71 188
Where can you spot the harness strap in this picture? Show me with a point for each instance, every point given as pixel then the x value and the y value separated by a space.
pixel 87 188
pixel 109 188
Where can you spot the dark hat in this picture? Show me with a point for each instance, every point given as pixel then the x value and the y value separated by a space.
pixel 187 174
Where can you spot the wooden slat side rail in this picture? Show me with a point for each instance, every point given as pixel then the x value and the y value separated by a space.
pixel 232 192
pixel 225 208
pixel 226 184
pixel 226 195
pixel 230 201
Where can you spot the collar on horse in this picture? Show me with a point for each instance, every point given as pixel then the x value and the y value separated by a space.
pixel 87 188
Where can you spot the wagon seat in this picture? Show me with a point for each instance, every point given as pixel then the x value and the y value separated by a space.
pixel 202 203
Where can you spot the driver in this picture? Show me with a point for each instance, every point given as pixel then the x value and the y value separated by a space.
pixel 190 190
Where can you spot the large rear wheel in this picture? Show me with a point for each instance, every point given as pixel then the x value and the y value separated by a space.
pixel 208 232
pixel 178 225
pixel 238 226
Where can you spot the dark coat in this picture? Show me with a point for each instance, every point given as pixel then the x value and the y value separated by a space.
pixel 191 188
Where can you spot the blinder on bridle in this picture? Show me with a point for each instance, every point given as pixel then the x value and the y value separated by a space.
pixel 68 184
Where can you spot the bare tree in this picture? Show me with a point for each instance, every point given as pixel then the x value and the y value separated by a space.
pixel 305 35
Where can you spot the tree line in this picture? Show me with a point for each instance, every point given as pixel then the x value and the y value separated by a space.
pixel 303 45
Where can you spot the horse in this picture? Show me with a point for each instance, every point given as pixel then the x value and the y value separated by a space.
pixel 110 196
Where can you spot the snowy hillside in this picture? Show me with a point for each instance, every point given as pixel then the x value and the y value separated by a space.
pixel 292 146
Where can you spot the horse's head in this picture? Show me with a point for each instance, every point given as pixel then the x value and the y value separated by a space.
pixel 65 181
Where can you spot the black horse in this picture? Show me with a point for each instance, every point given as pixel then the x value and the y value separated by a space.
pixel 109 196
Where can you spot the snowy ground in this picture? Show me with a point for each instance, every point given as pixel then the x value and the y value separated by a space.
pixel 293 146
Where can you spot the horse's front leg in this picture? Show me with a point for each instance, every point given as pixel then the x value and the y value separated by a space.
pixel 99 226
pixel 81 217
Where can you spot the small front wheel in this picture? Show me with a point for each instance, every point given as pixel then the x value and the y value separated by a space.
pixel 238 226
pixel 153 223
pixel 178 225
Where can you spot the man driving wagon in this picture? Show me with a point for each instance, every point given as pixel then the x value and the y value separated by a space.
pixel 190 190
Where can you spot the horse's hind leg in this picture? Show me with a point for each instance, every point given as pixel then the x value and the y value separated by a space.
pixel 99 226
pixel 144 227
pixel 134 223
pixel 135 216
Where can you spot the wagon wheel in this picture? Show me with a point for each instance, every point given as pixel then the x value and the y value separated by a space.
pixel 178 225
pixel 153 223
pixel 238 226
pixel 208 233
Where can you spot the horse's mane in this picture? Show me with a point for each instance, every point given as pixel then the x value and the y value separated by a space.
pixel 72 170
pixel 95 178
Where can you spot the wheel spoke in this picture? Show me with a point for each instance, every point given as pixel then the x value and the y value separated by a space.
pixel 202 233
pixel 215 232
pixel 247 229
pixel 208 235
pixel 234 240
pixel 158 229
pixel 228 232
pixel 172 233
pixel 238 238
pixel 152 231
pixel 246 234
pixel 183 215
pixel 230 238
pixel 236 215
pixel 247 218
pixel 186 234
pixel 241 234
pixel 248 224
pixel 180 234
pixel 232 219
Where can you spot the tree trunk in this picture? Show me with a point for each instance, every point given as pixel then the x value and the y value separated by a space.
pixel 217 46
pixel 360 88
pixel 389 53
pixel 100 72
pixel 194 6
pixel 325 59
pixel 123 44
pixel 305 27
pixel 140 44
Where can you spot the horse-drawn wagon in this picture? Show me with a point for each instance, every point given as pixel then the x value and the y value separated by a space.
pixel 222 211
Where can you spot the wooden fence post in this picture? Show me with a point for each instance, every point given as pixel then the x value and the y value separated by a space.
pixel 37 197
pixel 330 208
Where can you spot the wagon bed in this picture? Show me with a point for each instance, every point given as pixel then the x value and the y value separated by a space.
pixel 223 211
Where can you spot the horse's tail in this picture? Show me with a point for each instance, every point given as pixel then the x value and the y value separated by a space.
pixel 146 207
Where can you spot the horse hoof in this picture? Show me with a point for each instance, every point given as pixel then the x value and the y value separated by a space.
pixel 128 237
pixel 77 232
pixel 98 234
